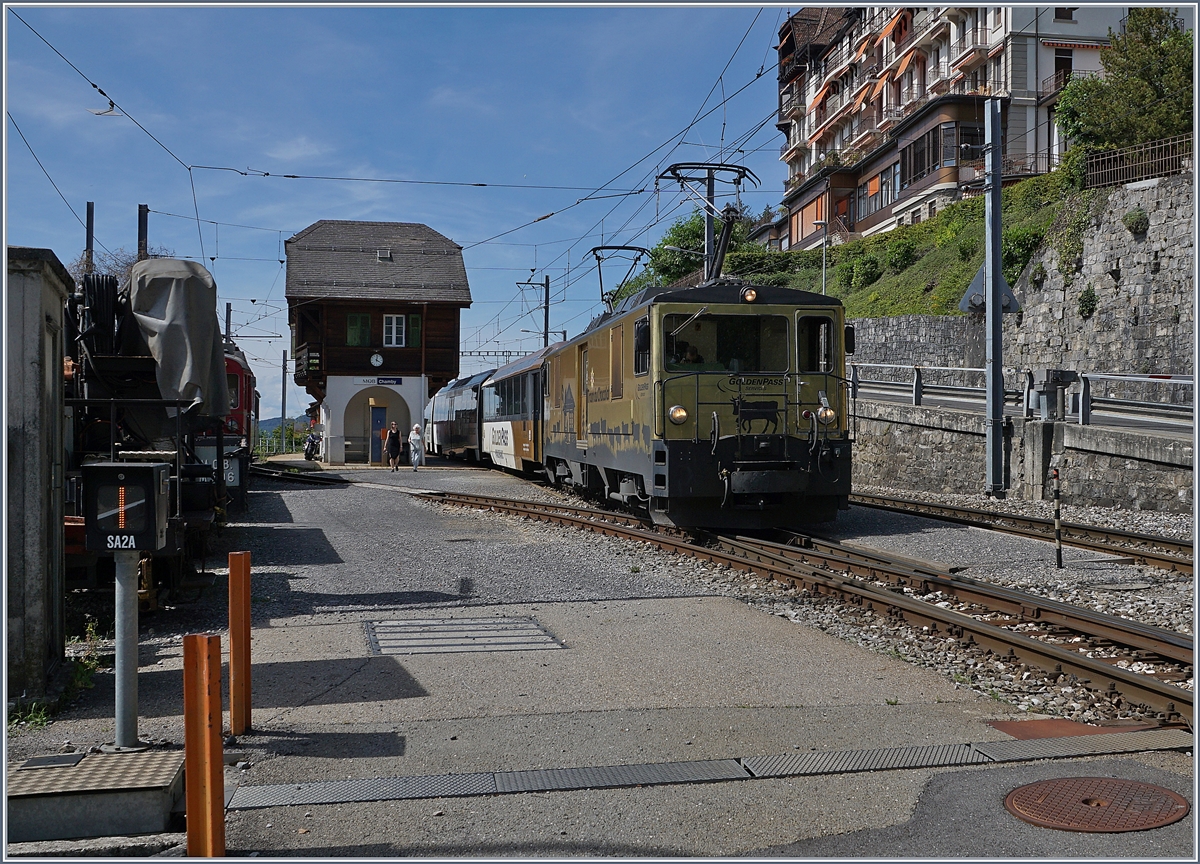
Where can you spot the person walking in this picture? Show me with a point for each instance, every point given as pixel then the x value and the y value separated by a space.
pixel 416 447
pixel 394 444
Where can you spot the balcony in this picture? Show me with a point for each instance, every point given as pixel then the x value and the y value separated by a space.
pixel 972 43
pixel 1056 82
pixel 1017 166
pixel 308 363
pixel 937 77
pixel 792 149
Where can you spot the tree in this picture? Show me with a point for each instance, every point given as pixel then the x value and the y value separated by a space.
pixel 1146 92
pixel 117 263
pixel 667 265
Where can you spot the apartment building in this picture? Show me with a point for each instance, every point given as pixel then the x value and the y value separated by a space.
pixel 883 106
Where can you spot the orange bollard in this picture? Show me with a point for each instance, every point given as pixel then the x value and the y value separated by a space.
pixel 203 759
pixel 239 642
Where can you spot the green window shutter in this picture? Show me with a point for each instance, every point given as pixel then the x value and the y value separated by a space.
pixel 358 328
pixel 414 331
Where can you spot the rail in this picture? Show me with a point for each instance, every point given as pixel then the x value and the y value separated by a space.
pixel 1140 162
pixel 918 386
pixel 1081 403
pixel 1087 402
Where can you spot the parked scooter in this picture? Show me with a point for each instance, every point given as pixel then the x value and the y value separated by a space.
pixel 312 446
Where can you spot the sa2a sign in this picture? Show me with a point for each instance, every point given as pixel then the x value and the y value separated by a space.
pixel 120 541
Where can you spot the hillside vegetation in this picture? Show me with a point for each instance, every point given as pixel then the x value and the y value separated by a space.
pixel 926 268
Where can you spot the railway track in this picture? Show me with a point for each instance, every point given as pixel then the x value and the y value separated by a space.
pixel 1019 628
pixel 1163 552
pixel 306 478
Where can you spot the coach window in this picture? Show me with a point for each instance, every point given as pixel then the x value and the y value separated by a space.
pixel 641 347
pixel 815 343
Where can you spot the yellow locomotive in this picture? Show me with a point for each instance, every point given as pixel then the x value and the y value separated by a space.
pixel 722 405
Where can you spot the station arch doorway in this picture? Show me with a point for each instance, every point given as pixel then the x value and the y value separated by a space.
pixel 368 410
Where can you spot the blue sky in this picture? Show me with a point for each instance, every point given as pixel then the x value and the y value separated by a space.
pixel 568 97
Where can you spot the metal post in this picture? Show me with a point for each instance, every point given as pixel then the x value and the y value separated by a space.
pixel 203 758
pixel 546 319
pixel 143 250
pixel 283 409
pixel 824 245
pixel 228 316
pixel 1057 520
pixel 126 664
pixel 239 642
pixel 88 261
pixel 918 389
pixel 1085 400
pixel 709 230
pixel 994 372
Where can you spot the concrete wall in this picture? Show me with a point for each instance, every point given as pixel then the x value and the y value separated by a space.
pixel 943 450
pixel 37 288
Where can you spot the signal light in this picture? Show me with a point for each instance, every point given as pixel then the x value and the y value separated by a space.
pixel 678 415
pixel 749 295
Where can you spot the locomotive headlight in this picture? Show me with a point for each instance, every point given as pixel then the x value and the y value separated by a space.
pixel 678 415
pixel 749 295
pixel 826 415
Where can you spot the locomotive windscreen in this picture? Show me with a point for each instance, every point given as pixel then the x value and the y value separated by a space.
pixel 719 343
pixel 175 305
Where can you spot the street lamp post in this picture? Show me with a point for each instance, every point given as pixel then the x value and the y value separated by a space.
pixel 824 237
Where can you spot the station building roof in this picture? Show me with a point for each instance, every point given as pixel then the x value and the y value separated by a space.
pixel 381 261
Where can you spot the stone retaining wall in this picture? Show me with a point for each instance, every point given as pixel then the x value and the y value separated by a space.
pixel 1144 321
pixel 944 450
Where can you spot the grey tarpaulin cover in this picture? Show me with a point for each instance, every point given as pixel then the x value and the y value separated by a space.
pixel 175 305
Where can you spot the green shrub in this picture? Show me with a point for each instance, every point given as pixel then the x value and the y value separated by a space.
pixel 901 253
pixel 1038 274
pixel 866 272
pixel 1088 302
pixel 966 248
pixel 1017 246
pixel 1136 221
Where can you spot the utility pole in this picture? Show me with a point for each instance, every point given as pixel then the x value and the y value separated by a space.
pixel 993 282
pixel 88 260
pixel 283 409
pixel 228 316
pixel 143 251
pixel 546 316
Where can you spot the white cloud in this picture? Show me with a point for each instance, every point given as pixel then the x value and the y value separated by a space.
pixel 299 147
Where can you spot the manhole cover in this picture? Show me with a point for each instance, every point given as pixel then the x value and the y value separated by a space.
pixel 1099 804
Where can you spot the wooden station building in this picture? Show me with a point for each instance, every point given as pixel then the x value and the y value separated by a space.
pixel 374 313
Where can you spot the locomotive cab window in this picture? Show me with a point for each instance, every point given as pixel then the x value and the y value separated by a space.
pixel 641 347
pixel 231 384
pixel 725 343
pixel 815 344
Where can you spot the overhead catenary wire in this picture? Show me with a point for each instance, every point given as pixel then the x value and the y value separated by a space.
pixel 51 179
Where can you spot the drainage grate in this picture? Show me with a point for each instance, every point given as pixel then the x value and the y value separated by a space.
pixel 455 635
pixel 369 789
pixel 848 761
pixel 787 765
pixel 1097 804
pixel 619 775
pixel 1084 745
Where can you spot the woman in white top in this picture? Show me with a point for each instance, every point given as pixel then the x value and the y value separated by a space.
pixel 416 446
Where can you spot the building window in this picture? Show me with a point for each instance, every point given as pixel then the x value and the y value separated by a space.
pixel 358 330
pixel 877 192
pixel 1064 13
pixel 924 155
pixel 393 331
pixel 413 336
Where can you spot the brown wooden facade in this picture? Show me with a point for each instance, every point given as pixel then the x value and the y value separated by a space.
pixel 321 334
